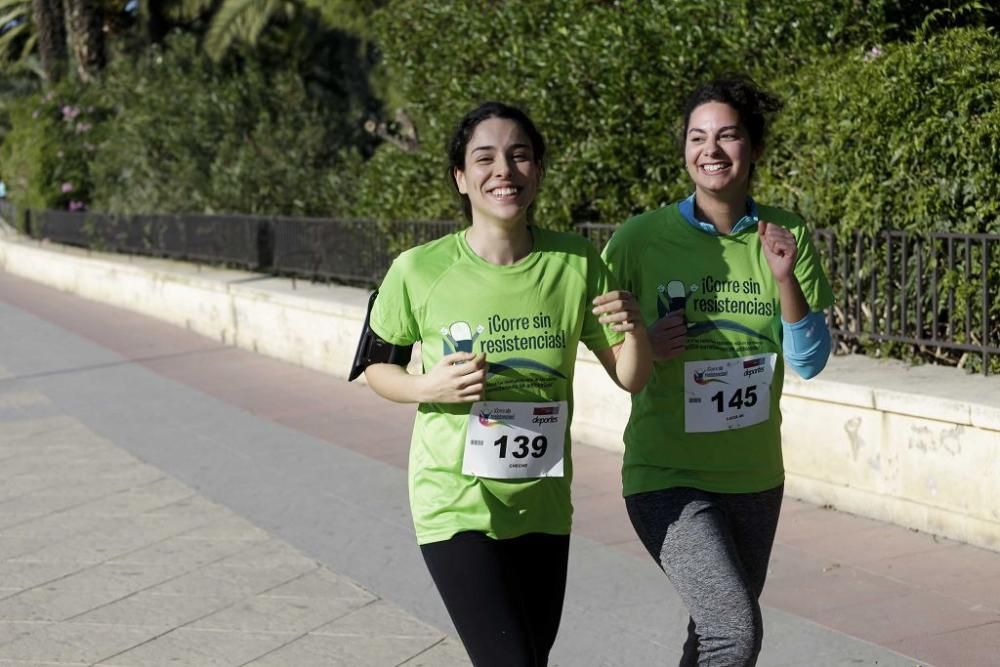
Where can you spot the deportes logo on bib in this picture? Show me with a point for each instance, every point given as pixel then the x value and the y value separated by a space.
pixel 753 366
pixel 546 414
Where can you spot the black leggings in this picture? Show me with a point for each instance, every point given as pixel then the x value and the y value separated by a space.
pixel 505 597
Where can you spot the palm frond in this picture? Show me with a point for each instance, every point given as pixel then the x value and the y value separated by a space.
pixel 11 35
pixel 186 10
pixel 10 51
pixel 240 19
pixel 23 5
pixel 12 16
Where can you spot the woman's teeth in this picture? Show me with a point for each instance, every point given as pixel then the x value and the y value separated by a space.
pixel 711 168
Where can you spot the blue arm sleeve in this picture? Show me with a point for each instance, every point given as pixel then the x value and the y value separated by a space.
pixel 806 344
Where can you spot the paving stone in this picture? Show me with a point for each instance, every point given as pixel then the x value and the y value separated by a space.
pixel 54 527
pixel 75 642
pixel 122 578
pixel 202 648
pixel 12 547
pixel 146 498
pixel 273 553
pixel 50 501
pixel 174 550
pixel 231 582
pixel 378 619
pixel 227 528
pixel 4 662
pixel 13 521
pixel 325 651
pixel 194 506
pixel 51 603
pixel 150 609
pixel 106 542
pixel 320 583
pixel 11 630
pixel 447 653
pixel 25 575
pixel 279 614
pixel 15 486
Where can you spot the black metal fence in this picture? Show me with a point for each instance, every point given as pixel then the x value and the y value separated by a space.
pixel 353 251
pixel 236 240
pixel 935 295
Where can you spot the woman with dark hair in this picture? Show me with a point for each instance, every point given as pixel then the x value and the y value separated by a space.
pixel 734 290
pixel 499 309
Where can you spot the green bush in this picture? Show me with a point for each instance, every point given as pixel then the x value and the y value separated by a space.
pixel 603 80
pixel 189 135
pixel 906 137
pixel 47 152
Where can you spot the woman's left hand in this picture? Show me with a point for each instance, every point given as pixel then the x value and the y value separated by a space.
pixel 620 310
pixel 780 249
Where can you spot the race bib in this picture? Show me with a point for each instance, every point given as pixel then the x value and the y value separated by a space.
pixel 515 440
pixel 723 394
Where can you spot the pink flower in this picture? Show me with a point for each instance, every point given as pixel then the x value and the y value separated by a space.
pixel 82 127
pixel 67 187
pixel 872 53
pixel 69 113
pixel 77 205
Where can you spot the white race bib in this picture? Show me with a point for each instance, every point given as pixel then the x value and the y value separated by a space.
pixel 723 394
pixel 515 440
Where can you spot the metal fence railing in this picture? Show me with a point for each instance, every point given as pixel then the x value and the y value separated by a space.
pixel 355 251
pixel 599 234
pixel 935 294
pixel 235 240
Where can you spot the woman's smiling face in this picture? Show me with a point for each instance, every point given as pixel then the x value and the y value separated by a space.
pixel 718 152
pixel 501 174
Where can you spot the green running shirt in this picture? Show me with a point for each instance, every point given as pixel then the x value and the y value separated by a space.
pixel 528 318
pixel 730 301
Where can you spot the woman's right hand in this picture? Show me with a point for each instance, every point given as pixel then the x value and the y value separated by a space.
pixel 459 377
pixel 668 335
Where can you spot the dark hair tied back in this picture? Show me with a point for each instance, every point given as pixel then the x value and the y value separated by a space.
pixel 466 128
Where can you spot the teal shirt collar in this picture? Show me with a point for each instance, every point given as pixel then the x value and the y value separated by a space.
pixel 749 220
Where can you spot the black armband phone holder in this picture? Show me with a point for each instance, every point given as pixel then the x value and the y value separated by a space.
pixel 372 349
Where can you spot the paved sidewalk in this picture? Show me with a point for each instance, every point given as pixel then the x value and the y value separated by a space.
pixel 169 500
pixel 108 561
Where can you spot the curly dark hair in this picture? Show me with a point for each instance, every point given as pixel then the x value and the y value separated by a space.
pixel 467 126
pixel 754 104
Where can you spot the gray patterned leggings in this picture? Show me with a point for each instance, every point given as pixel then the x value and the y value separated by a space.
pixel 714 547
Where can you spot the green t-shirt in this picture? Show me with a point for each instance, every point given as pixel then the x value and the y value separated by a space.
pixel 528 318
pixel 730 301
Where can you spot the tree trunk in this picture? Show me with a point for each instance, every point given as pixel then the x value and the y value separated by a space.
pixel 49 21
pixel 86 37
pixel 154 20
